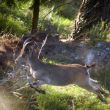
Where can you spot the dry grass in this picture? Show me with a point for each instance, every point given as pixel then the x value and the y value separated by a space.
pixel 7 45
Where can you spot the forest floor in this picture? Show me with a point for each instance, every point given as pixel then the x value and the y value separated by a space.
pixel 57 98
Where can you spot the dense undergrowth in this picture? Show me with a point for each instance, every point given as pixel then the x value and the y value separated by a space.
pixel 99 33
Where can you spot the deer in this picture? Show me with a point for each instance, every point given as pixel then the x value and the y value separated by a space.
pixel 58 74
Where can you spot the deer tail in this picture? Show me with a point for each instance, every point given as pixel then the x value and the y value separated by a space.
pixel 90 66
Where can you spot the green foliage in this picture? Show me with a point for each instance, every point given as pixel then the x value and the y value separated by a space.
pixel 52 102
pixel 58 25
pixel 14 21
pixel 54 22
pixel 12 25
pixel 13 3
pixel 62 24
pixel 21 18
pixel 9 3
pixel 98 32
pixel 18 20
pixel 68 98
pixel 68 11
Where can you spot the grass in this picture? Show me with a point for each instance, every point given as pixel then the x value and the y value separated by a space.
pixel 18 21
pixel 99 32
pixel 54 22
pixel 68 98
pixel 63 25
pixel 13 21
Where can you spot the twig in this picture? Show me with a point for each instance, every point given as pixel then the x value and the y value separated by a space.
pixel 23 87
pixel 44 42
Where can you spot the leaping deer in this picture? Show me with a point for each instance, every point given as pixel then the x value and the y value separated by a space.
pixel 59 75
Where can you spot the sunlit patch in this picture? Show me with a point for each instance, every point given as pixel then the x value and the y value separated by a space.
pixel 6 101
pixel 4 104
pixel 9 102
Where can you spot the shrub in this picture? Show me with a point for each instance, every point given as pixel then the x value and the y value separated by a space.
pixel 98 32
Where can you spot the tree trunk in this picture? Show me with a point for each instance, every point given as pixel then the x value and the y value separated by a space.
pixel 91 12
pixel 106 11
pixel 36 6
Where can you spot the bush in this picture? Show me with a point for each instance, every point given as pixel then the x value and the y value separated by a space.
pixel 98 32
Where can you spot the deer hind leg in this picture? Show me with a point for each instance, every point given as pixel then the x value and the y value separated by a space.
pixel 96 84
pixel 97 89
pixel 37 88
pixel 35 85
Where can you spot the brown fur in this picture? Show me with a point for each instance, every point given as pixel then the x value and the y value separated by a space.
pixel 60 75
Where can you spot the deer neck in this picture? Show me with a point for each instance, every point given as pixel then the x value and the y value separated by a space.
pixel 34 62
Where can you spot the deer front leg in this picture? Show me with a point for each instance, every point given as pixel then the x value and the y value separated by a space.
pixel 29 79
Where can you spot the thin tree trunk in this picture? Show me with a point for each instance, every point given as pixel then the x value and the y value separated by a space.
pixel 36 6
